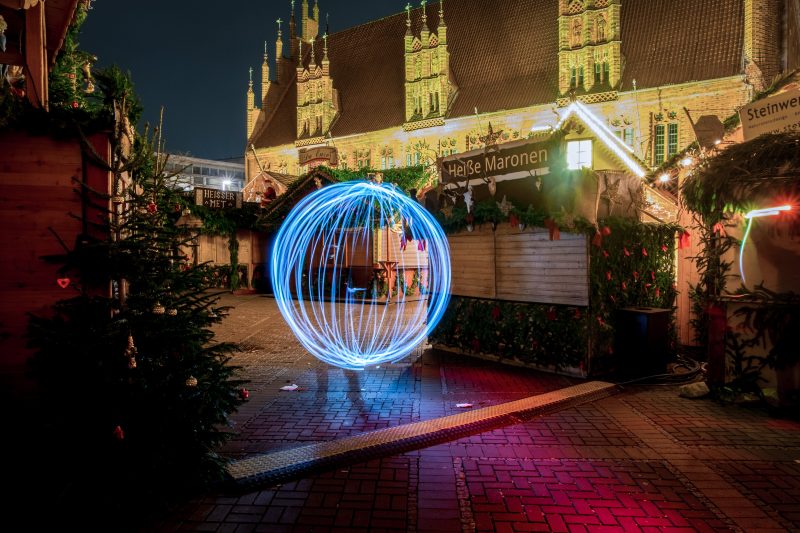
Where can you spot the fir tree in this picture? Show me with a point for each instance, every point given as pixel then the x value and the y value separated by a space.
pixel 140 391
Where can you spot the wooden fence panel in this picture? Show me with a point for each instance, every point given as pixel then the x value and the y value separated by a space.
pixel 472 260
pixel 526 266
pixel 532 268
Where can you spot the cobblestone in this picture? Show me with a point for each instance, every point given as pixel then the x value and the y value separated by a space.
pixel 645 460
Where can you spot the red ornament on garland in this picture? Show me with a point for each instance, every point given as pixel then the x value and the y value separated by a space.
pixel 75 104
pixel 597 240
pixel 119 434
pixel 476 345
pixel 605 254
pixel 624 286
pixel 653 275
pixel 658 292
pixel 513 220
pixel 644 251
pixel 626 252
pixel 635 275
pixel 152 207
pixel 577 314
pixel 63 282
pixel 177 208
pixel 244 393
pixel 664 248
pixel 608 275
pixel 551 314
pixel 606 231
pixel 496 312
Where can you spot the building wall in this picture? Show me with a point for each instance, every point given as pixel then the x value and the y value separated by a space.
pixel 37 197
pixel 639 110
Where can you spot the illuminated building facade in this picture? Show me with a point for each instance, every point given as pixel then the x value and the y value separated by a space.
pixel 405 89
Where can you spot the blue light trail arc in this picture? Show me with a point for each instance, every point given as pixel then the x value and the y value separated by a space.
pixel 345 228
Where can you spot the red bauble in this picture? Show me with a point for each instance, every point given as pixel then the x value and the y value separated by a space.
pixel 496 312
pixel 152 207
pixel 606 231
pixel 244 393
pixel 63 282
pixel 119 434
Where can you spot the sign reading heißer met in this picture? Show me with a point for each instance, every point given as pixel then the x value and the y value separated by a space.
pixel 776 114
pixel 215 199
pixel 508 158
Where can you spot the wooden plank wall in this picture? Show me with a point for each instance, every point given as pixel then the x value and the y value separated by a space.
pixel 472 263
pixel 36 193
pixel 525 266
pixel 532 268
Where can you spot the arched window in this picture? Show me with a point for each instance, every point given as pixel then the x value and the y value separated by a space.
pixel 601 28
pixel 577 32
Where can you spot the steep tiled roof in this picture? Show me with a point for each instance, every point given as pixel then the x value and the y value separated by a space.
pixel 681 40
pixel 504 55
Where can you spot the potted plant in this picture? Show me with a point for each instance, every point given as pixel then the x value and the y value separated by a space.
pixel 775 320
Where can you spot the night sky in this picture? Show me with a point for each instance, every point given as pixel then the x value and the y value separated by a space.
pixel 192 57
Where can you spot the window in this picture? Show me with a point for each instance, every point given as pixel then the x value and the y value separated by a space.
pixel 436 101
pixel 605 71
pixel 416 158
pixel 601 28
pixel 628 137
pixel 383 162
pixel 672 139
pixel 573 79
pixel 408 160
pixel 579 154
pixel 658 145
pixel 598 73
pixel 580 76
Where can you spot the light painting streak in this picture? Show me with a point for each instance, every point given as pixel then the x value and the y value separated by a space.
pixel 338 227
pixel 768 212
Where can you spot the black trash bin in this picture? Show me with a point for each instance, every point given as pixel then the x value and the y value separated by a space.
pixel 642 341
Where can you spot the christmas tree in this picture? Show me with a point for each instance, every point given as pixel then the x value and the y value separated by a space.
pixel 139 390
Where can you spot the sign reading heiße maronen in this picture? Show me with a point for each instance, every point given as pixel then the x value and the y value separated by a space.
pixel 776 114
pixel 497 160
pixel 215 199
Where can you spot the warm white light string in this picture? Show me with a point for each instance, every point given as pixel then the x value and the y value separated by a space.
pixel 336 227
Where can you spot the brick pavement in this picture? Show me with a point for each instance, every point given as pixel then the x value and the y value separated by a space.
pixel 645 460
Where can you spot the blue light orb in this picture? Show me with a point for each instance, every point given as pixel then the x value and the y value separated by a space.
pixel 361 273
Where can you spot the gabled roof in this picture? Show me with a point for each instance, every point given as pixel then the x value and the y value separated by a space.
pixel 504 55
pixel 610 142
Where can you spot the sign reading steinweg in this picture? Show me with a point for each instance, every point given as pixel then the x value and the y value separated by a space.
pixel 776 114
pixel 214 199
pixel 508 158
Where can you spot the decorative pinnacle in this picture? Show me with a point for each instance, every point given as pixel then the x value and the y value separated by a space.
pixel 325 41
pixel 424 13
pixel 441 11
pixel 251 76
pixel 279 21
pixel 312 50
pixel 265 49
pixel 408 14
pixel 292 7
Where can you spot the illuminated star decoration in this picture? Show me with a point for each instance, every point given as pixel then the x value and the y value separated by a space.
pixel 768 212
pixel 338 317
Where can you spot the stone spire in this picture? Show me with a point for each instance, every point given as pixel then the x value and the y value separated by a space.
pixel 279 54
pixel 264 78
pixel 326 64
pixel 442 30
pixel 425 32
pixel 251 105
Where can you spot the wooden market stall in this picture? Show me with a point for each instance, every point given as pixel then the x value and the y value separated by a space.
pixel 551 238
